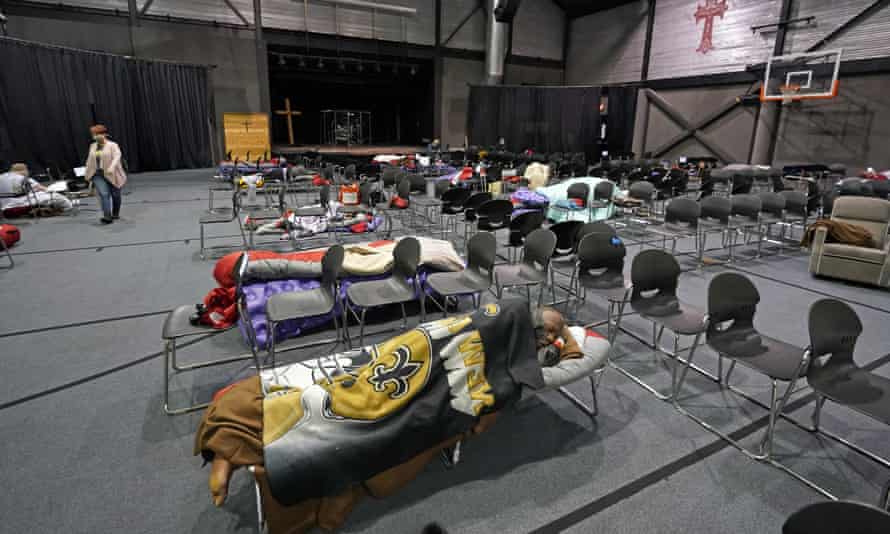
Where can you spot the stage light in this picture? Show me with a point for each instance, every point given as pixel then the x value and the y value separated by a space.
pixel 320 63
pixel 377 67
pixel 302 62
pixel 281 60
pixel 413 70
pixel 360 67
pixel 341 65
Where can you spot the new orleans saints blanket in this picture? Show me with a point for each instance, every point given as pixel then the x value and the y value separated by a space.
pixel 412 392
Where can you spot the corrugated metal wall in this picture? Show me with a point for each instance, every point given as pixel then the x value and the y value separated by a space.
pixel 676 37
pixel 607 47
pixel 868 38
pixel 288 15
pixel 471 35
pixel 538 29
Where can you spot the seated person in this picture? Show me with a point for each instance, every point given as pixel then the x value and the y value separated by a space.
pixel 366 422
pixel 27 193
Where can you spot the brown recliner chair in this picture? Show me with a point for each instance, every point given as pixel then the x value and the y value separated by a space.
pixel 859 264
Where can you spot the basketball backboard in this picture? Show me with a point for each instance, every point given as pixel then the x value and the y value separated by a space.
pixel 802 76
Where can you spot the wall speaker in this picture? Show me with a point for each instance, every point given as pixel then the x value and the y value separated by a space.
pixel 506 10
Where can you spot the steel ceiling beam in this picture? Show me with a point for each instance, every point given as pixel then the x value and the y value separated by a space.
pixel 237 12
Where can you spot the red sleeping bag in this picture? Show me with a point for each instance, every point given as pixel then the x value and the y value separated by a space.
pixel 10 234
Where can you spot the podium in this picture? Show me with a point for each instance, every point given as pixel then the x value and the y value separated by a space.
pixel 345 127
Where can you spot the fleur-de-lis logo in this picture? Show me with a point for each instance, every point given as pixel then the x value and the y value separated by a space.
pixel 397 375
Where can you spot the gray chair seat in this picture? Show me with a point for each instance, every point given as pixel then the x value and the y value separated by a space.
pixel 673 230
pixel 857 388
pixel 611 284
pixel 216 217
pixel 771 357
pixel 296 304
pixel 668 311
pixel 458 283
pixel 378 293
pixel 850 252
pixel 521 274
pixel 767 219
pixel 177 324
pixel 711 224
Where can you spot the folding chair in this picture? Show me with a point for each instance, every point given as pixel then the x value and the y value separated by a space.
pixel 534 268
pixel 796 212
pixel 602 196
pixel 745 215
pixel 320 301
pixel 600 269
pixel 494 215
pixel 772 213
pixel 578 191
pixel 835 517
pixel 470 206
pixel 520 226
pixel 476 278
pixel 453 204
pixel 713 217
pixel 564 253
pixel 393 290
pixel 732 305
pixel 653 295
pixel 220 218
pixel 680 221
pixel 834 375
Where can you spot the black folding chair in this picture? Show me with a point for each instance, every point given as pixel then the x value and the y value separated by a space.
pixel 323 300
pixel 476 278
pixel 713 217
pixel 453 204
pixel 577 191
pixel 520 226
pixel 745 216
pixel 534 267
pixel 494 215
pixel 732 304
pixel 655 276
pixel 838 517
pixel 680 222
pixel 772 213
pixel 470 207
pixel 402 286
pixel 834 375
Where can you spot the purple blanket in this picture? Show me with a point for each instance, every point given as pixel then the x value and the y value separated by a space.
pixel 257 294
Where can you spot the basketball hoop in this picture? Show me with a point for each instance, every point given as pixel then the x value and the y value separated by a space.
pixel 789 92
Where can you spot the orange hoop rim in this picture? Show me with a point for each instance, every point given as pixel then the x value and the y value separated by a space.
pixel 779 98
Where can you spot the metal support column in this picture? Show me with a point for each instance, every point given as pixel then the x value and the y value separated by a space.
pixel 134 21
pixel 262 61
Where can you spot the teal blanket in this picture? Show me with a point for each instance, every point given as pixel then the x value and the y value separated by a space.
pixel 558 192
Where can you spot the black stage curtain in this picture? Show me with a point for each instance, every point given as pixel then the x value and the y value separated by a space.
pixel 622 113
pixel 547 119
pixel 49 96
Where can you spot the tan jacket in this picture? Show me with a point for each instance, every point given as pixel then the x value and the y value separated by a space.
pixel 111 164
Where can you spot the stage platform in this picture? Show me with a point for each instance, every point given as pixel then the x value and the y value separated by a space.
pixel 352 150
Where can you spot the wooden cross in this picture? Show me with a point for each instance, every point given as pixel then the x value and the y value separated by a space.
pixel 287 112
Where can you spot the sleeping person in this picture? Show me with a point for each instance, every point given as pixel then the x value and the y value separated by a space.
pixel 323 434
pixel 19 194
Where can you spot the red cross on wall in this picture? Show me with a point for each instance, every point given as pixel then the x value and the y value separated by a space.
pixel 711 9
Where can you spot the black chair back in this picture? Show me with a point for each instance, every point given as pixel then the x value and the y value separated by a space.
pixel 328 173
pixel 881 188
pixel 538 248
pixel 731 297
pixel 580 191
pixel 418 183
pixel 641 190
pixel 522 225
pixel 389 175
pixel 852 187
pixel 349 172
pixel 482 253
pixel 772 203
pixel 747 206
pixel 834 517
pixel 604 191
pixel 364 193
pixel 404 189
pixel 595 227
pixel 683 210
pixel 795 202
pixel 473 203
pixel 494 214
pixel 566 237
pixel 406 258
pixel 716 208
pixel 601 251
pixel 654 270
pixel 324 195
pixel 454 199
pixel 332 265
pixel 834 329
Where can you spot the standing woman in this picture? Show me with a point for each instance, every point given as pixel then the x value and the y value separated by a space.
pixel 105 169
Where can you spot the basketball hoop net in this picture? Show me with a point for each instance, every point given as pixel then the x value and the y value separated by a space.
pixel 789 92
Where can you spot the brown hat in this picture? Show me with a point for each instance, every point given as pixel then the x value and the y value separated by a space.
pixel 19 168
pixel 98 129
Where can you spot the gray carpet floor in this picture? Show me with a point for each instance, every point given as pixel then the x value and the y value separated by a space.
pixel 86 447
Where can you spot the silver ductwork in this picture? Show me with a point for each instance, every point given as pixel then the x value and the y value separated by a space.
pixel 495 47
